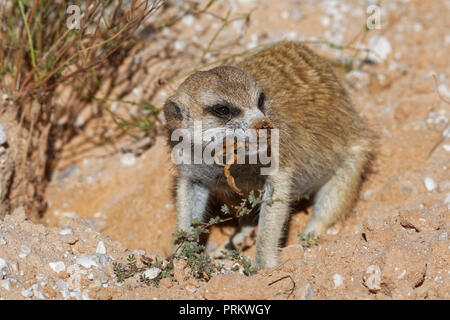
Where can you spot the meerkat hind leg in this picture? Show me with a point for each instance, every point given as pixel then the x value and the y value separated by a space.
pixel 335 198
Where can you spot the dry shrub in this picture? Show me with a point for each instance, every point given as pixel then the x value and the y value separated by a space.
pixel 40 54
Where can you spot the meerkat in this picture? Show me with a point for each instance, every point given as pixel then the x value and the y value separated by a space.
pixel 324 145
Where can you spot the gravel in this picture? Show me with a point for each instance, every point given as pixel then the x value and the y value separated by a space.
pixel 430 184
pixel 3 136
pixel 66 231
pixel 57 266
pixel 337 280
pixel 89 260
pixel 25 251
pixel 381 48
pixel 372 278
pixel 152 273
pixel 4 269
pixel 27 293
pixel 101 249
pixel 128 159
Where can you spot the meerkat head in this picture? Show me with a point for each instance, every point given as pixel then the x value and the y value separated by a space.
pixel 224 98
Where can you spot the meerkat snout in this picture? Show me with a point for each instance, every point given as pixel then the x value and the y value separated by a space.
pixel 324 146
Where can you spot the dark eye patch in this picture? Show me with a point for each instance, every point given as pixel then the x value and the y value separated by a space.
pixel 222 111
pixel 261 100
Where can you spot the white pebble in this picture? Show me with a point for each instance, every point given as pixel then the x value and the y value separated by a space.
pixel 5 284
pixel 443 90
pixel 139 252
pixel 4 269
pixel 27 293
pixel 338 280
pixel 152 273
pixel 57 266
pixel 188 20
pixel 90 260
pixel 447 199
pixel 2 240
pixel 380 47
pixel 430 184
pixel 25 251
pixel 101 248
pixel 3 136
pixel 367 194
pixel 66 231
pixel 372 278
pixel 446 147
pixel 38 294
pixel 446 133
pixel 128 159
pixel 179 45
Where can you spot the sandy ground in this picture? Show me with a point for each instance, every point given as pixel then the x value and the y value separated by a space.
pixel 105 205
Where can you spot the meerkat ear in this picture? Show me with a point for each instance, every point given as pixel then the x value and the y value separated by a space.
pixel 172 111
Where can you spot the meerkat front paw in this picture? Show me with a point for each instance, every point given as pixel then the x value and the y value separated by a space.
pixel 315 228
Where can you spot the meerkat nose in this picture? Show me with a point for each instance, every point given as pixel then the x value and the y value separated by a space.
pixel 252 116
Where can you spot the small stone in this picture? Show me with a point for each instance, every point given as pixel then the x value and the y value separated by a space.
pixel 3 241
pixel 27 293
pixel 372 278
pixel 337 280
pixel 309 291
pixel 38 294
pixel 444 186
pixel 70 214
pixel 446 133
pixel 152 273
pixel 380 48
pixel 446 147
pixel 188 20
pixel 4 269
pixel 2 150
pixel 443 236
pixel 103 279
pixel 25 251
pixel 191 289
pixel 139 252
pixel 179 45
pixel 66 231
pixel 5 284
pixel 357 79
pixel 447 199
pixel 128 159
pixel 89 260
pixel 101 249
pixel 430 184
pixel 57 266
pixel 3 136
pixel 367 194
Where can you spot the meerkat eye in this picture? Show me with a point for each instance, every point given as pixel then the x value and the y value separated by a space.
pixel 261 100
pixel 220 111
pixel 223 111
